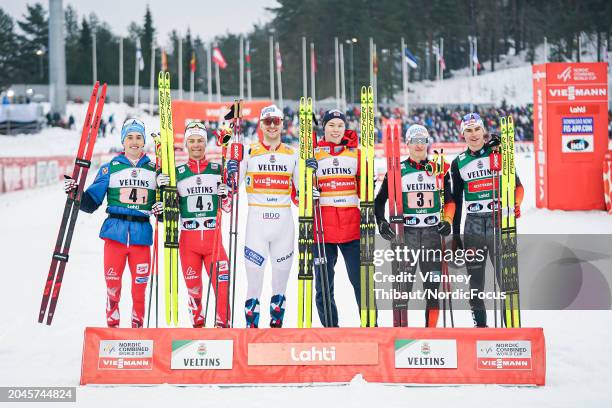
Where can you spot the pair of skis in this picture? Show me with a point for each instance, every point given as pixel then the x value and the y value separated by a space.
pixel 169 199
pixel 509 259
pixel 305 216
pixel 396 217
pixel 82 164
pixel 366 200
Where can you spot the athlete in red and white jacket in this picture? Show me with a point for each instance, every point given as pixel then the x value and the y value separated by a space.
pixel 336 162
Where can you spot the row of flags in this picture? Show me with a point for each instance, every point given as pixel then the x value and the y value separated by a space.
pixel 413 61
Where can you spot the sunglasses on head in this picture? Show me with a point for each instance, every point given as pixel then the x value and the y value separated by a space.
pixel 418 140
pixel 196 125
pixel 269 121
pixel 471 116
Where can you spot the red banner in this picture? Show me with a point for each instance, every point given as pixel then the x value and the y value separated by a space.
pixel 321 355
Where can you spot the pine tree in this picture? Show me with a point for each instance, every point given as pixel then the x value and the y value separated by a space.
pixel 33 44
pixel 8 51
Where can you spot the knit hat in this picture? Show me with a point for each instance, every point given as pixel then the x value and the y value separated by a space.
pixel 133 126
pixel 333 114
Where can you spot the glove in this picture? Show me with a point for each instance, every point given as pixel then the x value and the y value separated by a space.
pixel 444 228
pixel 316 194
pixel 163 179
pixel 157 209
pixel 312 163
pixel 232 167
pixel 517 211
pixel 494 141
pixel 457 242
pixel 69 184
pixel 385 230
pixel 222 190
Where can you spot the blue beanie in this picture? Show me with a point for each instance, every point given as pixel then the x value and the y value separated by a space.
pixel 133 125
pixel 333 114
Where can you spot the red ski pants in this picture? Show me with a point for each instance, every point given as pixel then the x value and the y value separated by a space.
pixel 196 247
pixel 138 258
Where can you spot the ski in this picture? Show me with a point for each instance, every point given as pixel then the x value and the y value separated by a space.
pixel 82 164
pixel 305 216
pixel 396 217
pixel 366 200
pixel 169 199
pixel 509 258
pixel 154 269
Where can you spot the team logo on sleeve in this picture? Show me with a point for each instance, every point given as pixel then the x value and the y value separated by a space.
pixel 104 170
pixel 181 170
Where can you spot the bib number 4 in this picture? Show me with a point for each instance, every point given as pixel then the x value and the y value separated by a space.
pixel 133 195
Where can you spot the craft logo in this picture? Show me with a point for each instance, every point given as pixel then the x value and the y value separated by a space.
pixel 202 355
pixel 565 74
pixel 125 355
pixel 425 353
pixel 320 354
pixel 503 355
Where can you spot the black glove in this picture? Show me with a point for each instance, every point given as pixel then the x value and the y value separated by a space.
pixel 444 228
pixel 457 242
pixel 494 141
pixel 385 230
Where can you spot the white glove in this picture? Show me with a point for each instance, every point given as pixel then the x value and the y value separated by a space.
pixel 163 179
pixel 69 185
pixel 316 194
pixel 222 190
pixel 158 208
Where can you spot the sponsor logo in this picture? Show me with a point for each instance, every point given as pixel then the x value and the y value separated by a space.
pixel 104 170
pixel 253 256
pixel 272 159
pixel 223 277
pixel 577 144
pixel 181 170
pixel 572 92
pixel 420 178
pixel 565 74
pixel 287 354
pixel 336 162
pixel 271 181
pixel 284 258
pixel 210 223
pixel 479 164
pixel 141 279
pixel 539 75
pixel 134 174
pixel 198 181
pixel 503 355
pixel 271 216
pixel 476 186
pixel 191 224
pixel 222 266
pixel 475 207
pixel 214 166
pixel 425 353
pixel 190 274
pixel 142 269
pixel 115 163
pixel 577 126
pixel 431 220
pixel 111 275
pixel 411 220
pixel 202 355
pixel 125 355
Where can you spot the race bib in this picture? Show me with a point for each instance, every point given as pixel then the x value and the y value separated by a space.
pixel 421 199
pixel 133 195
pixel 199 203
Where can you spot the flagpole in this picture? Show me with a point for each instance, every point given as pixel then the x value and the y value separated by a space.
pixel 313 71
pixel 218 82
pixel 180 67
pixel 209 71
pixel 437 50
pixel 337 71
pixel 404 76
pixel 476 54
pixel 248 73
pixel 342 81
pixel 191 84
pixel 121 70
pixel 241 52
pixel 375 82
pixel 442 59
pixel 271 42
pixel 136 80
pixel 279 77
pixel 304 69
pixel 94 60
pixel 545 50
pixel 152 79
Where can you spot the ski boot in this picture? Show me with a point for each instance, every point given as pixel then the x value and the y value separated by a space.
pixel 251 312
pixel 277 310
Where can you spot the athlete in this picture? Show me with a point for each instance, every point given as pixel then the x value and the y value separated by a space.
pixel 129 183
pixel 269 170
pixel 472 183
pixel 336 163
pixel 201 193
pixel 423 227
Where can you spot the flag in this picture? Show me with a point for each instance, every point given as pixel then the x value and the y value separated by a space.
pixel 475 58
pixel 164 60
pixel 218 58
pixel 279 60
pixel 412 61
pixel 375 64
pixel 247 56
pixel 139 55
pixel 193 62
pixel 442 63
pixel 313 60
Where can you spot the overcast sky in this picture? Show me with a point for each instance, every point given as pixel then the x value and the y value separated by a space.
pixel 206 18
